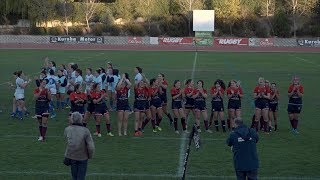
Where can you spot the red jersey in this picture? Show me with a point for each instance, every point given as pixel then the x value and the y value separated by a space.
pixel 43 95
pixel 74 96
pixel 122 93
pixel 97 95
pixel 174 92
pixel 295 98
pixel 261 90
pixel 188 90
pixel 154 92
pixel 141 93
pixel 274 99
pixel 218 97
pixel 163 91
pixel 200 96
pixel 237 91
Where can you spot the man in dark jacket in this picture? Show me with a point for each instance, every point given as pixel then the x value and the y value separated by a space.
pixel 243 144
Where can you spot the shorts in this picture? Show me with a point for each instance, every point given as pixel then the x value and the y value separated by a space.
pixel 234 104
pixel 77 109
pixel 100 109
pixel 176 105
pixel 189 103
pixel 261 104
pixel 157 103
pixel 294 108
pixel 164 99
pixel 112 89
pixel 19 96
pixel 62 90
pixel 200 105
pixel 122 105
pixel 53 91
pixel 217 106
pixel 90 108
pixel 69 92
pixel 140 105
pixel 42 111
pixel 273 107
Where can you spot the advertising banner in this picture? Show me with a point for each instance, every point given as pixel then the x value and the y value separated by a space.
pixel 134 40
pixel 175 41
pixel 312 42
pixel 231 41
pixel 77 39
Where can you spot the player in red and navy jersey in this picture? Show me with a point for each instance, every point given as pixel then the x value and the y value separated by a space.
pixel 188 93
pixel 100 109
pixel 155 103
pixel 122 90
pixel 295 94
pixel 90 106
pixel 217 111
pixel 78 100
pixel 177 108
pixel 163 96
pixel 273 106
pixel 141 106
pixel 42 97
pixel 200 95
pixel 234 93
pixel 261 95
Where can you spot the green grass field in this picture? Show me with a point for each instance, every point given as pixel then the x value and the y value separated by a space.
pixel 282 154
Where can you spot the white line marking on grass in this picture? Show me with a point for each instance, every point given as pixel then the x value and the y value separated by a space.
pixel 135 138
pixel 104 174
pixel 305 60
pixel 184 135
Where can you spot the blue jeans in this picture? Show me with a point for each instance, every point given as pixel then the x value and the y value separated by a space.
pixel 78 169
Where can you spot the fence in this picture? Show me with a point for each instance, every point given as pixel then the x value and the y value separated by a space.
pixel 182 41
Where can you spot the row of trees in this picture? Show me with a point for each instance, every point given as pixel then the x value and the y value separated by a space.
pixel 233 17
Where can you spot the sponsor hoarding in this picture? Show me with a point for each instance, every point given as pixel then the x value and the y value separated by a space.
pixel 175 41
pixel 134 40
pixel 313 42
pixel 77 39
pixel 231 41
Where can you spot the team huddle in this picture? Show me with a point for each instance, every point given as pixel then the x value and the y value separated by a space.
pixel 89 96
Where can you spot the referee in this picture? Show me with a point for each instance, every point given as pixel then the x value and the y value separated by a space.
pixel 243 144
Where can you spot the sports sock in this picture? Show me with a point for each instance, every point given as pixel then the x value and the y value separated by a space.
pixel 223 122
pixel 206 124
pixel 40 130
pixel 98 128
pixel 108 128
pixel 175 124
pixel 228 123
pixel 183 123
pixel 216 124
pixel 170 118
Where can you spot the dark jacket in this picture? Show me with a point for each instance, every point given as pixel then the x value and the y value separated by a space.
pixel 243 142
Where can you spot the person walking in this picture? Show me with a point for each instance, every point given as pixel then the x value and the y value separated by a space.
pixel 80 147
pixel 243 144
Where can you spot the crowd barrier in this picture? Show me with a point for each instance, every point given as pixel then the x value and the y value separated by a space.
pixel 182 41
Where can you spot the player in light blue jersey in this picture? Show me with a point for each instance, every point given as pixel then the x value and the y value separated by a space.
pixel 61 87
pixel 52 86
pixel 88 79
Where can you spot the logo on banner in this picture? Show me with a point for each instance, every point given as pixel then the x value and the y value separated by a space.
pixel 76 39
pixel 175 40
pixel 309 42
pixel 134 40
pixel 232 41
pixel 266 42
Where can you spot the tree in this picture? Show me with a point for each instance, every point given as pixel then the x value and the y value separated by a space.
pixel 42 11
pixel 123 9
pixel 18 8
pixel 187 6
pixel 64 9
pixel 299 8
pixel 89 8
pixel 229 11
pixel 145 9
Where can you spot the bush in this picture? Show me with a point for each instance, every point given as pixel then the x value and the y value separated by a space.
pixel 16 31
pixel 134 30
pixel 76 31
pixel 113 30
pixel 154 30
pixel 315 30
pixel 175 26
pixel 281 25
pixel 38 30
pixel 97 29
pixel 56 31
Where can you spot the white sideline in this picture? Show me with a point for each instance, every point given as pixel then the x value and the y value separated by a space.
pixel 135 138
pixel 305 60
pixel 184 136
pixel 145 175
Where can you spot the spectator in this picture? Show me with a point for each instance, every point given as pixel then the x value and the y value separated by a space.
pixel 243 144
pixel 80 147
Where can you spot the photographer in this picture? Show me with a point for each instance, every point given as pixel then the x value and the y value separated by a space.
pixel 80 147
pixel 243 144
